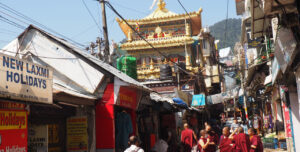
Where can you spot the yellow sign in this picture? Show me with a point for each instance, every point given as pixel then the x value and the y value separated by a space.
pixel 22 80
pixel 13 120
pixel 77 136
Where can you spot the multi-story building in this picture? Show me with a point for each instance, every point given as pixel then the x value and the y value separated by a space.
pixel 178 39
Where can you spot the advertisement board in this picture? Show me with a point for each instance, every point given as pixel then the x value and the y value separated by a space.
pixel 22 80
pixel 77 136
pixel 13 131
pixel 287 120
pixel 38 138
pixel 127 97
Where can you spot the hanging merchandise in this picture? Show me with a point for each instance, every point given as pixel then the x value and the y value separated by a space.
pixel 123 129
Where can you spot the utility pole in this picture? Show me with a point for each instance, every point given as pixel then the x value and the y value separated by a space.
pixel 105 33
pixel 243 85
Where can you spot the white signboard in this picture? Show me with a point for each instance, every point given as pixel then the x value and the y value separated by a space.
pixel 22 80
pixel 38 138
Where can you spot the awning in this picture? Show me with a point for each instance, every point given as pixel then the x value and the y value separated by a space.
pixel 177 102
pixel 158 98
pixel 65 95
pixel 251 71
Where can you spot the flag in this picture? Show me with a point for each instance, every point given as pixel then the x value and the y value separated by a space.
pixel 154 2
pixel 137 26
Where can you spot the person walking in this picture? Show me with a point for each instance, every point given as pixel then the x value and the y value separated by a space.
pixel 213 138
pixel 225 141
pixel 203 141
pixel 241 140
pixel 188 137
pixel 255 141
pixel 134 145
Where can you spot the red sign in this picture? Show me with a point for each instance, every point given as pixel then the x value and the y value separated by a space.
pixel 13 131
pixel 287 120
pixel 128 97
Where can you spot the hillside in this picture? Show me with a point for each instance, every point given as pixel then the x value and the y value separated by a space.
pixel 233 32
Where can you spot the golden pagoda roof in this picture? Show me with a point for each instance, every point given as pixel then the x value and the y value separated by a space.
pixel 161 14
pixel 161 43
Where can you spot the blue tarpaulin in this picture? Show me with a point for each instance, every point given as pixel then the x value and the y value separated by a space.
pixel 198 100
pixel 180 102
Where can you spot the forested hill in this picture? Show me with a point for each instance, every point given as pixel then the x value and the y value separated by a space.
pixel 233 32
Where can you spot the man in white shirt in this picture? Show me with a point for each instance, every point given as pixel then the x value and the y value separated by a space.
pixel 161 145
pixel 134 145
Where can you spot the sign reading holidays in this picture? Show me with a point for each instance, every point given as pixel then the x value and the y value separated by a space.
pixel 22 80
pixel 13 131
pixel 77 136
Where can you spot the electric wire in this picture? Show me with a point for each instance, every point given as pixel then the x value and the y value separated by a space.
pixel 131 9
pixel 92 16
pixel 14 18
pixel 142 37
pixel 9 9
pixel 12 22
pixel 226 22
pixel 187 13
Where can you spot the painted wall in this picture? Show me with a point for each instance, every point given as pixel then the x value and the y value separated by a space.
pixel 295 106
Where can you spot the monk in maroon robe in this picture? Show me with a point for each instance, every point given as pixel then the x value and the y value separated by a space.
pixel 241 140
pixel 187 138
pixel 225 141
pixel 213 139
pixel 255 141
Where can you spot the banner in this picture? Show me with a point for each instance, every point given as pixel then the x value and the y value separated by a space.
pixel 13 131
pixel 287 120
pixel 22 80
pixel 198 100
pixel 77 136
pixel 127 97
pixel 38 138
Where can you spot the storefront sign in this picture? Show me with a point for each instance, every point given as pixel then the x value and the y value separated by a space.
pixel 128 97
pixel 77 136
pixel 22 80
pixel 11 105
pixel 198 100
pixel 13 131
pixel 285 47
pixel 38 138
pixel 287 120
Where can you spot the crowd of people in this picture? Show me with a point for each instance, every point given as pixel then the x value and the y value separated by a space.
pixel 209 141
pixel 233 139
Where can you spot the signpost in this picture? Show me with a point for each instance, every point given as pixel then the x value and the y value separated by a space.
pixel 22 80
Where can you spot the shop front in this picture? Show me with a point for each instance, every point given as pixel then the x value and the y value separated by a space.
pixel 13 126
pixel 116 117
pixel 22 84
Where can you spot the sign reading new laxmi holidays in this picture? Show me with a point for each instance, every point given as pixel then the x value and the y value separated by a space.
pixel 22 80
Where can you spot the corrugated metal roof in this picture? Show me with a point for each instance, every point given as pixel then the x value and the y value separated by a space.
pixel 96 61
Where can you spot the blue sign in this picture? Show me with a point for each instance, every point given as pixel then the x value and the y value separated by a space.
pixel 198 100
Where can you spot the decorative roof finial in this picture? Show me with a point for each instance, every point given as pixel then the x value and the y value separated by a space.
pixel 161 4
